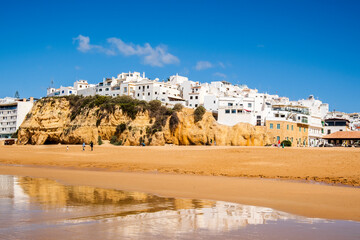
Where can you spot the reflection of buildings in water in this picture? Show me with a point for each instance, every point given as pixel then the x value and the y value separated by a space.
pixel 141 213
pixel 51 193
pixel 6 186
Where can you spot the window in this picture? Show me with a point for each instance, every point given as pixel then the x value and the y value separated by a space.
pixel 287 127
pixel 196 97
pixel 147 87
pixel 230 104
pixel 278 138
pixel 276 115
pixel 138 94
pixel 271 126
pixel 249 104
pixel 278 126
pixel 148 94
pixel 214 102
pixel 139 87
pixel 292 127
pixel 239 111
pixel 62 91
pixel 106 89
pixel 100 90
pixel 125 89
pixel 227 111
pixel 196 105
pixel 328 131
pixel 233 111
pixel 299 129
pixel 70 92
pixel 191 97
pixel 190 105
pixel 304 129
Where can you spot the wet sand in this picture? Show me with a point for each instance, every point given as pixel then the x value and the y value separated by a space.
pixel 310 200
pixel 327 165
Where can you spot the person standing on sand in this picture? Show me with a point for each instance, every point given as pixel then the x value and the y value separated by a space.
pixel 83 146
pixel 92 146
pixel 67 148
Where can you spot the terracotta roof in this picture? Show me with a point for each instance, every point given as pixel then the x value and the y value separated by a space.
pixel 343 135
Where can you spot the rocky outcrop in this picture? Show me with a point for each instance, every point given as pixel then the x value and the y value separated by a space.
pixel 50 122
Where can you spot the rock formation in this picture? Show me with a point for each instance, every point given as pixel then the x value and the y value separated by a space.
pixel 51 122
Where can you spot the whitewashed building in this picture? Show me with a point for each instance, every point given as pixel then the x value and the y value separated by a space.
pixel 336 121
pixel 12 114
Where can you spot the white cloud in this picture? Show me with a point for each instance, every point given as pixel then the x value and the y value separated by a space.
pixel 202 65
pixel 85 46
pixel 221 64
pixel 158 56
pixel 219 74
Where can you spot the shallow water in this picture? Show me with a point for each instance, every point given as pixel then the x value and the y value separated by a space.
pixel 36 208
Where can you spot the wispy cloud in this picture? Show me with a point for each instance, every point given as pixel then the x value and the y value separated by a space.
pixel 221 64
pixel 220 75
pixel 202 65
pixel 158 56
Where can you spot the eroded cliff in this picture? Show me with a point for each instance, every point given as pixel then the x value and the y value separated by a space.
pixel 62 120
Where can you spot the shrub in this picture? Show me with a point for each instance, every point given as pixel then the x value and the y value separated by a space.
pixel 178 107
pixel 173 122
pixel 120 128
pixel 286 143
pixel 100 142
pixel 154 105
pixel 113 139
pixel 199 113
pixel 129 128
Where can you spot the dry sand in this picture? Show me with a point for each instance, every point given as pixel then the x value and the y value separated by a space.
pixel 141 168
pixel 328 165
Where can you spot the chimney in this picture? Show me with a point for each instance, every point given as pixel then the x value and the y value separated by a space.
pixel 24 99
pixel 31 99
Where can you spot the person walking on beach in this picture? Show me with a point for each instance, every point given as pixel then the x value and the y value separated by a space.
pixel 67 148
pixel 83 146
pixel 92 146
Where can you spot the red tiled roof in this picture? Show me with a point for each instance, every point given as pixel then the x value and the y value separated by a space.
pixel 343 135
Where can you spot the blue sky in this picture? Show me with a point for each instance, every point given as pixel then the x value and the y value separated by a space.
pixel 290 48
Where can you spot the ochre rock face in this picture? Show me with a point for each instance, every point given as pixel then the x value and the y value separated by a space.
pixel 49 122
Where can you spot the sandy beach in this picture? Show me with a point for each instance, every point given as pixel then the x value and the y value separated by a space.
pixel 248 175
pixel 327 165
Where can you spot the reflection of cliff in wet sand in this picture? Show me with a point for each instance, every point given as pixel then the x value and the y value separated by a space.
pixel 181 214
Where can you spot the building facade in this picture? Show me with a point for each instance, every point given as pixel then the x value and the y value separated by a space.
pixel 12 114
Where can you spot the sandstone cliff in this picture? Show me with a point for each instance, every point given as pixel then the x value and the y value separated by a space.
pixel 53 121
